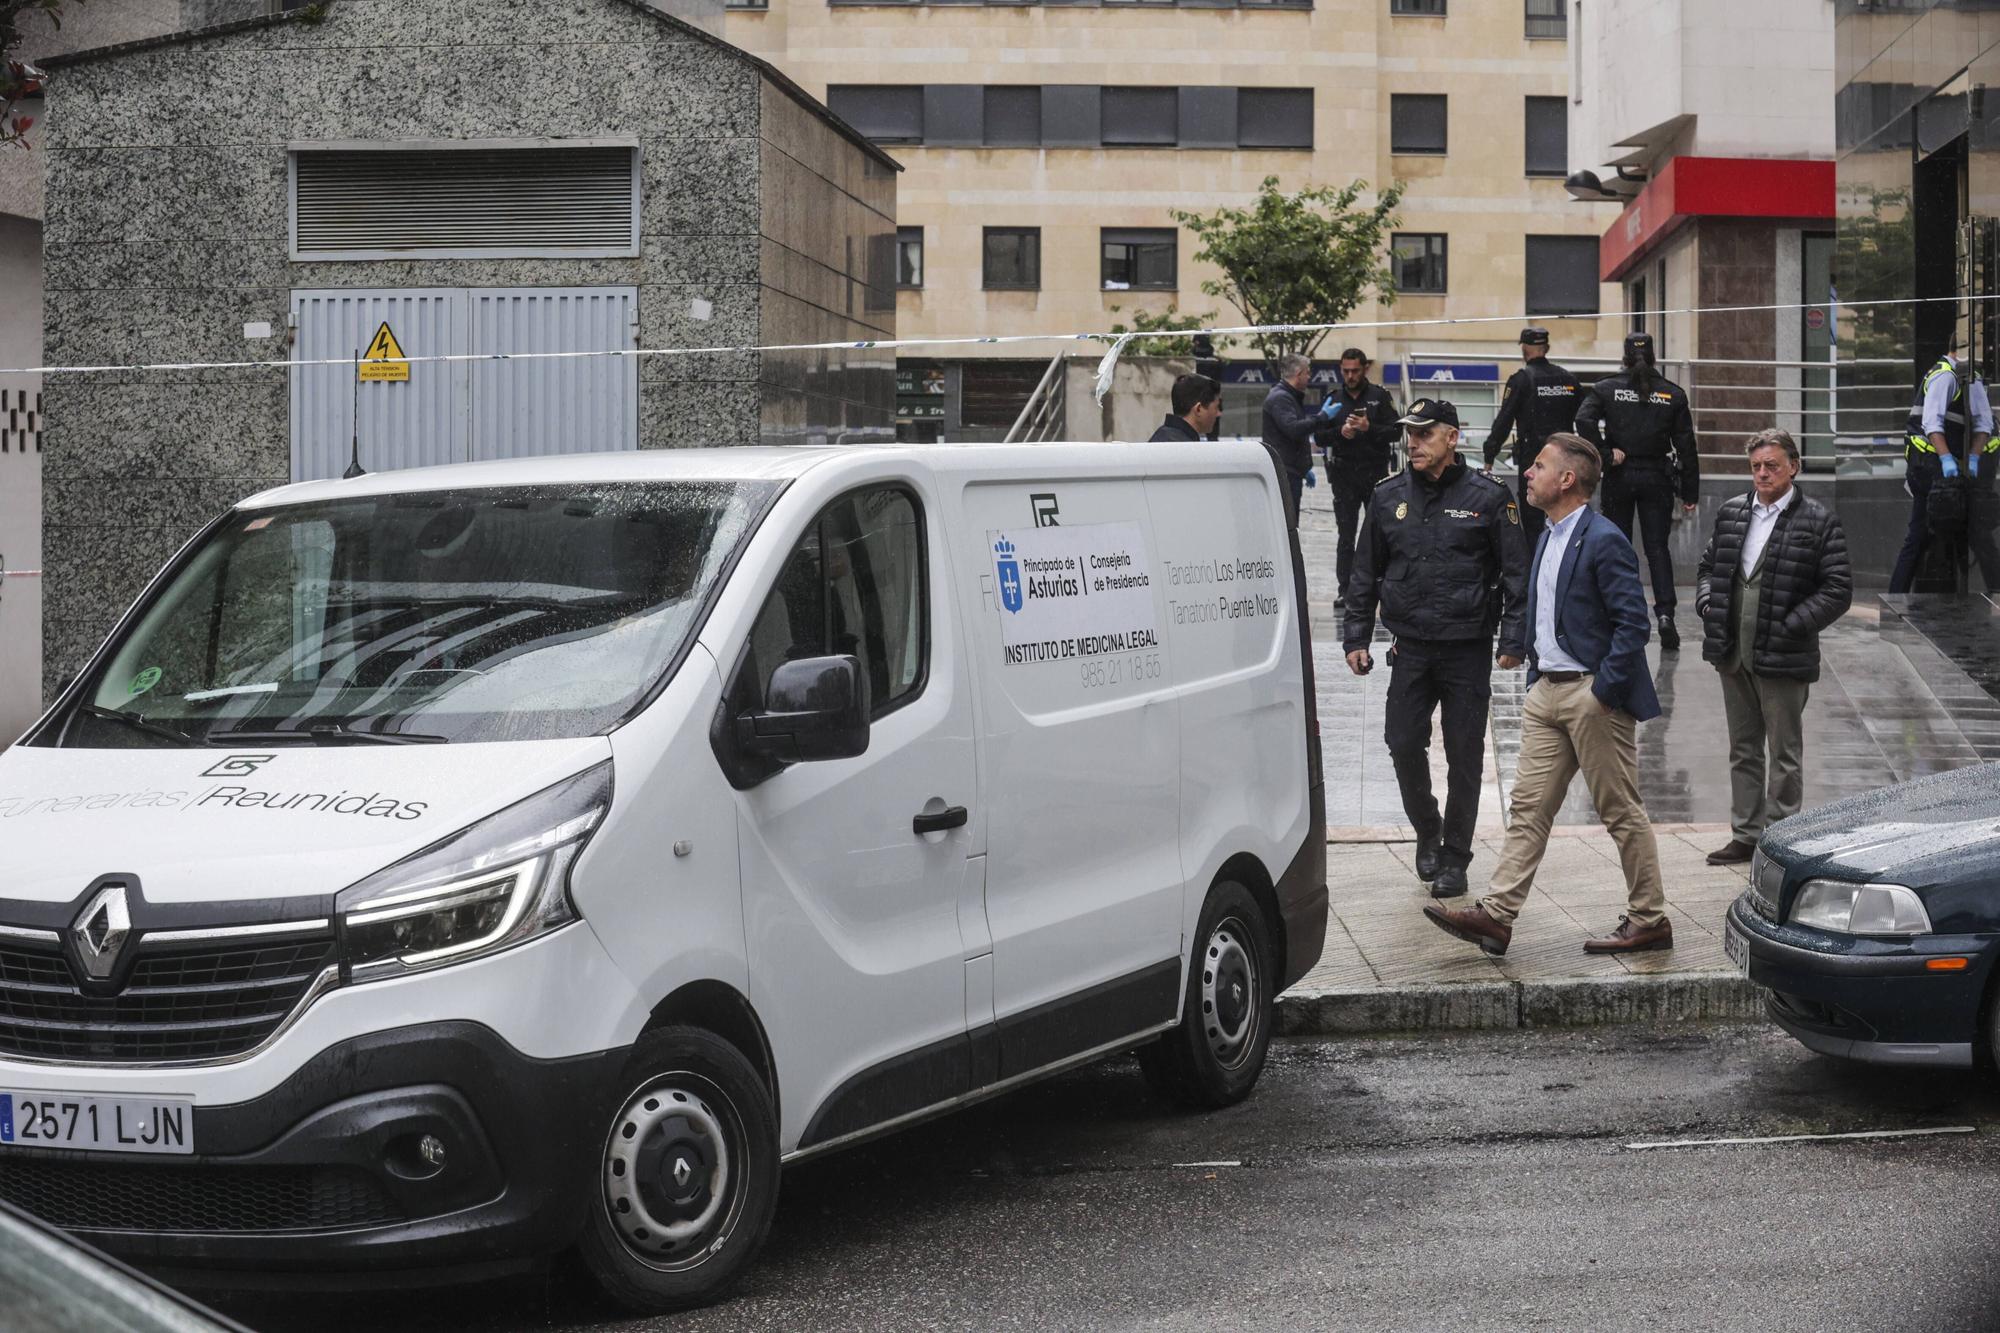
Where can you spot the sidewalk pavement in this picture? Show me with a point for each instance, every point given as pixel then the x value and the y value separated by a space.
pixel 1387 968
pixel 1900 696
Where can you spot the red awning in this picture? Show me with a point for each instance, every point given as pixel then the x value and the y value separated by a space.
pixel 1714 187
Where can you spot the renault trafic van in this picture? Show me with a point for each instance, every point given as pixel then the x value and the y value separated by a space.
pixel 447 868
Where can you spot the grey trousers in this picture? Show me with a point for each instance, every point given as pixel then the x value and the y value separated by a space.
pixel 1765 713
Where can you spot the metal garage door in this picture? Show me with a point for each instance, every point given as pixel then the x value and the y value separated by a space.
pixel 457 411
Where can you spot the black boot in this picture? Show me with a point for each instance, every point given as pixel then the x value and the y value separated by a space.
pixel 1450 881
pixel 1427 859
pixel 1670 638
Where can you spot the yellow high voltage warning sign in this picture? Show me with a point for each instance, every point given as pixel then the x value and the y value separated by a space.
pixel 384 363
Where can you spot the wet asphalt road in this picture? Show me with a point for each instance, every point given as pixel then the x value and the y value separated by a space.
pixel 1468 1182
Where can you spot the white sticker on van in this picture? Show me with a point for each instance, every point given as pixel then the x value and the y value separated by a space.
pixel 1073 592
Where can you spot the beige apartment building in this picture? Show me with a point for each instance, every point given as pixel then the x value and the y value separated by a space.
pixel 1047 144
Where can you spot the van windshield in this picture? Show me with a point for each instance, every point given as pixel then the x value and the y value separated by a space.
pixel 501 614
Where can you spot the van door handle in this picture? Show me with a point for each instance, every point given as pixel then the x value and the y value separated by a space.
pixel 951 817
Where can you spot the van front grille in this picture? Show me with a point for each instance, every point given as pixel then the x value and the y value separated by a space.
pixel 120 1196
pixel 196 1001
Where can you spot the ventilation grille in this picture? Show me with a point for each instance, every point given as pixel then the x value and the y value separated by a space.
pixel 471 201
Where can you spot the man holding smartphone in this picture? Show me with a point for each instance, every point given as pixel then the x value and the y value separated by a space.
pixel 1360 444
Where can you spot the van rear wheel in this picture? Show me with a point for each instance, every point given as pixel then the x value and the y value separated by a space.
pixel 687 1181
pixel 1214 1056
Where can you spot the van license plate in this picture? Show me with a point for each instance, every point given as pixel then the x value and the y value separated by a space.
pixel 97 1124
pixel 1737 950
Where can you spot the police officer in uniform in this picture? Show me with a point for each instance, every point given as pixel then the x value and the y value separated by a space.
pixel 1951 398
pixel 1541 398
pixel 1441 554
pixel 1360 443
pixel 1639 421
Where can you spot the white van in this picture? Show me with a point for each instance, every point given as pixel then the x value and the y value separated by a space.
pixel 446 868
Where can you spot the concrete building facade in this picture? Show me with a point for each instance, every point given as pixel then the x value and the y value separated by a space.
pixel 1709 118
pixel 180 228
pixel 1073 130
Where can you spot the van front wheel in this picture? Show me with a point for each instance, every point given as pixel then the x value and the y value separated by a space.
pixel 1214 1056
pixel 687 1180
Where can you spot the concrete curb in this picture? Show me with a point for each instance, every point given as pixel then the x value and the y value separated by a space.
pixel 1478 1005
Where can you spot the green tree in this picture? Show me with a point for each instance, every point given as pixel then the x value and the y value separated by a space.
pixel 1173 320
pixel 1302 258
pixel 17 79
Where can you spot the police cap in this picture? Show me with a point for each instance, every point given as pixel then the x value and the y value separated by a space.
pixel 1430 412
pixel 1533 337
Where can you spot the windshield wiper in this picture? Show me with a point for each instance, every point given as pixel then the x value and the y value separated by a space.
pixel 138 722
pixel 321 733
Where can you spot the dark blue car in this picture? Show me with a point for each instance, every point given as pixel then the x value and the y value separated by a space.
pixel 1872 922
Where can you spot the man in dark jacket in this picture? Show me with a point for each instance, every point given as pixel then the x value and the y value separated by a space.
pixel 1640 423
pixel 1442 555
pixel 1289 424
pixel 1588 690
pixel 1197 402
pixel 1360 441
pixel 1774 575
pixel 1541 398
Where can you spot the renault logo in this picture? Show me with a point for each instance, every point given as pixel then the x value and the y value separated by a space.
pixel 101 930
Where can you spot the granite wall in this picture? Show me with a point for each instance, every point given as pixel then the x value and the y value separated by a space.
pixel 167 233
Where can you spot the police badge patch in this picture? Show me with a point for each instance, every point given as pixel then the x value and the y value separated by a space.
pixel 1514 513
pixel 1402 508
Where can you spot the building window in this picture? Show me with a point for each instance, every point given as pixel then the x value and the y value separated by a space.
pixel 1141 117
pixel 1077 115
pixel 1141 257
pixel 1548 136
pixel 886 114
pixel 1426 8
pixel 1548 20
pixel 1417 123
pixel 1562 275
pixel 746 4
pixel 910 257
pixel 1417 262
pixel 1014 116
pixel 1012 258
pixel 1274 118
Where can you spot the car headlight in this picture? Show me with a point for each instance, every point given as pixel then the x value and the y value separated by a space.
pixel 1860 909
pixel 488 887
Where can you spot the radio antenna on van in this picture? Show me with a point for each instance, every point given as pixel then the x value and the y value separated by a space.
pixel 354 468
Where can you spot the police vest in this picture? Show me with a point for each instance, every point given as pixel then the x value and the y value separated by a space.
pixel 1954 412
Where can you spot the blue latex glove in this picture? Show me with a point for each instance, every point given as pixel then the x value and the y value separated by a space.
pixel 1330 408
pixel 1972 464
pixel 1949 464
pixel 1311 480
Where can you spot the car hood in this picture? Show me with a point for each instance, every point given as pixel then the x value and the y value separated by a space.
pixel 1943 829
pixel 200 825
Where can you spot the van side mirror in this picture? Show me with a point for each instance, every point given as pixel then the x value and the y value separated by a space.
pixel 815 708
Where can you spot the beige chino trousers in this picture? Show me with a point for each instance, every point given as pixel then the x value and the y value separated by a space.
pixel 1564 729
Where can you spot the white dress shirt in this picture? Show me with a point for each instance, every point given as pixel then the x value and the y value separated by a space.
pixel 1549 655
pixel 1763 522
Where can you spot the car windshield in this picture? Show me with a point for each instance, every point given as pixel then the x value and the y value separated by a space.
pixel 522 613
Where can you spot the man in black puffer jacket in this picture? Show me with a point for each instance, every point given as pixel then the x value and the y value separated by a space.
pixel 1774 575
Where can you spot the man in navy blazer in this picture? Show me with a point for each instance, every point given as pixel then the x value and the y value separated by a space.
pixel 1588 689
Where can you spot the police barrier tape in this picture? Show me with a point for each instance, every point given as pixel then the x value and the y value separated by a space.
pixel 1118 341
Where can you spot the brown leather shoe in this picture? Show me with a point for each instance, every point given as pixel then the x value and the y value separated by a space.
pixel 1631 937
pixel 1735 854
pixel 1473 925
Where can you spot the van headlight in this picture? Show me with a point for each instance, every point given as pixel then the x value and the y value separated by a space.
pixel 488 887
pixel 1860 909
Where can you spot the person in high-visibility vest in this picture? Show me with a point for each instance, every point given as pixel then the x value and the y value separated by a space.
pixel 1951 399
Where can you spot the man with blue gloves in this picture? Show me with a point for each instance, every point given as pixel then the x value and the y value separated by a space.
pixel 1951 400
pixel 1289 425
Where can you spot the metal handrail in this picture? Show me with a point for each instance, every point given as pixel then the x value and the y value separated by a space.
pixel 1042 417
